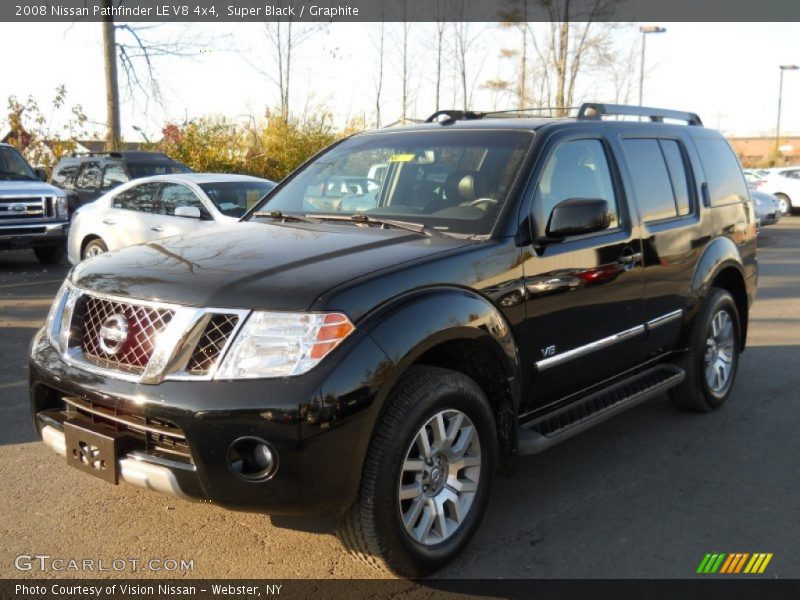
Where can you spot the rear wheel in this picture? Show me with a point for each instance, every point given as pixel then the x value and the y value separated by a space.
pixel 784 204
pixel 50 255
pixel 93 248
pixel 713 356
pixel 426 476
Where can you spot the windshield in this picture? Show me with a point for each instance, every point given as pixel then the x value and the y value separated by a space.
pixel 453 181
pixel 235 198
pixel 13 166
pixel 147 169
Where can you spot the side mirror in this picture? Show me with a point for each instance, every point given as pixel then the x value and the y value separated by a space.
pixel 578 216
pixel 190 212
pixel 41 173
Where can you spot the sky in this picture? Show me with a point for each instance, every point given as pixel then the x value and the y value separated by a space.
pixel 726 72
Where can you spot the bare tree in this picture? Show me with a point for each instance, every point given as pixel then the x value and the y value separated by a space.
pixel 571 43
pixel 440 28
pixel 379 75
pixel 464 39
pixel 515 15
pixel 113 125
pixel 406 27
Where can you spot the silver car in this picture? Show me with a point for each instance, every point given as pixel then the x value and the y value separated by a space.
pixel 152 208
pixel 768 208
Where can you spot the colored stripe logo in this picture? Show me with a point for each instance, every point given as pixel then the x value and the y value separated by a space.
pixel 737 562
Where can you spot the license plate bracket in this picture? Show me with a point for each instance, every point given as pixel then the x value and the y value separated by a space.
pixel 92 451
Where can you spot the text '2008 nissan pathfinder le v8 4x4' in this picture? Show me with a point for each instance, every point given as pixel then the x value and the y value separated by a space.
pixel 371 349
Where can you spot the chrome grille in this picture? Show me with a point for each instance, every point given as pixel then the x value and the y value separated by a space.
pixel 216 335
pixel 23 209
pixel 144 323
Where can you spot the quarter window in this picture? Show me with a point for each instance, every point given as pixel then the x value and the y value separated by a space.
pixel 140 198
pixel 726 184
pixel 174 195
pixel 576 169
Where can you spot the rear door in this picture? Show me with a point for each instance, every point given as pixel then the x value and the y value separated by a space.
pixel 165 223
pixel 128 219
pixel 660 174
pixel 583 294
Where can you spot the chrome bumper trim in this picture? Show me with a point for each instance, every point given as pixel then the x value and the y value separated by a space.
pixel 132 469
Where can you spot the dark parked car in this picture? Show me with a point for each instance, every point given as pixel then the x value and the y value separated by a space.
pixel 88 176
pixel 377 366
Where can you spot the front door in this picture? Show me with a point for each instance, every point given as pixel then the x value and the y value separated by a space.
pixel 584 294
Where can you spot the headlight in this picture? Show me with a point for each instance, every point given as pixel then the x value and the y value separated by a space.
pixel 278 344
pixel 59 318
pixel 62 211
pixel 56 310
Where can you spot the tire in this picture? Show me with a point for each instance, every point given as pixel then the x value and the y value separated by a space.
pixel 703 389
pixel 50 255
pixel 93 248
pixel 373 530
pixel 784 204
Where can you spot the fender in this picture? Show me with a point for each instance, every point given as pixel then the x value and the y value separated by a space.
pixel 720 254
pixel 413 324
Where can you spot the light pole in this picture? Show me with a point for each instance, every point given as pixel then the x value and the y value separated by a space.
pixel 645 29
pixel 780 100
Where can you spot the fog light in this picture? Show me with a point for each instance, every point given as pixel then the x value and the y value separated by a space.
pixel 252 459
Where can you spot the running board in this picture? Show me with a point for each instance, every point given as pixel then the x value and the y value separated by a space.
pixel 546 431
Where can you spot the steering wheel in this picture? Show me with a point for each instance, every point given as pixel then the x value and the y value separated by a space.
pixel 480 201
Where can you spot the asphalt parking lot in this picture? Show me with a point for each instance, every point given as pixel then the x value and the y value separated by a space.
pixel 646 494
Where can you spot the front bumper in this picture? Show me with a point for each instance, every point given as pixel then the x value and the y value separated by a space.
pixel 318 424
pixel 29 235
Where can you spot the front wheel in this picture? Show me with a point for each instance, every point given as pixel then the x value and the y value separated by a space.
pixel 713 357
pixel 94 248
pixel 784 204
pixel 426 477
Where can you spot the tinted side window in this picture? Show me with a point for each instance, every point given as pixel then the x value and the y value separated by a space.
pixel 651 182
pixel 140 198
pixel 725 182
pixel 678 175
pixel 64 175
pixel 576 169
pixel 89 178
pixel 174 195
pixel 114 175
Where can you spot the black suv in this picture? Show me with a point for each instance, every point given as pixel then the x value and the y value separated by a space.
pixel 374 356
pixel 87 176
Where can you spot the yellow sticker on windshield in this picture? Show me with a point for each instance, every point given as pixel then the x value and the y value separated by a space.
pixel 402 157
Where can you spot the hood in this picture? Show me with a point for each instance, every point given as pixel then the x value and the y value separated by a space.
pixel 254 265
pixel 28 188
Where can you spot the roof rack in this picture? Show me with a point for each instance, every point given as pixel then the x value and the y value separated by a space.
pixel 588 111
pixel 111 153
pixel 466 115
pixel 594 111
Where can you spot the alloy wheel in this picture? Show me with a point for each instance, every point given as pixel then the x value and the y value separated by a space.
pixel 720 352
pixel 439 477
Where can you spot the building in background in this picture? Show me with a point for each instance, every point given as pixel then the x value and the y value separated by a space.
pixel 760 151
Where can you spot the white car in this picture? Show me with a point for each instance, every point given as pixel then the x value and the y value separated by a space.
pixel 784 184
pixel 152 208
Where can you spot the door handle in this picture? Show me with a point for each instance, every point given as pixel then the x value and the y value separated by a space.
pixel 630 259
pixel 109 222
pixel 157 228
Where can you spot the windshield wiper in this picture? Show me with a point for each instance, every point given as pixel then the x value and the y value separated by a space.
pixel 368 220
pixel 276 214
